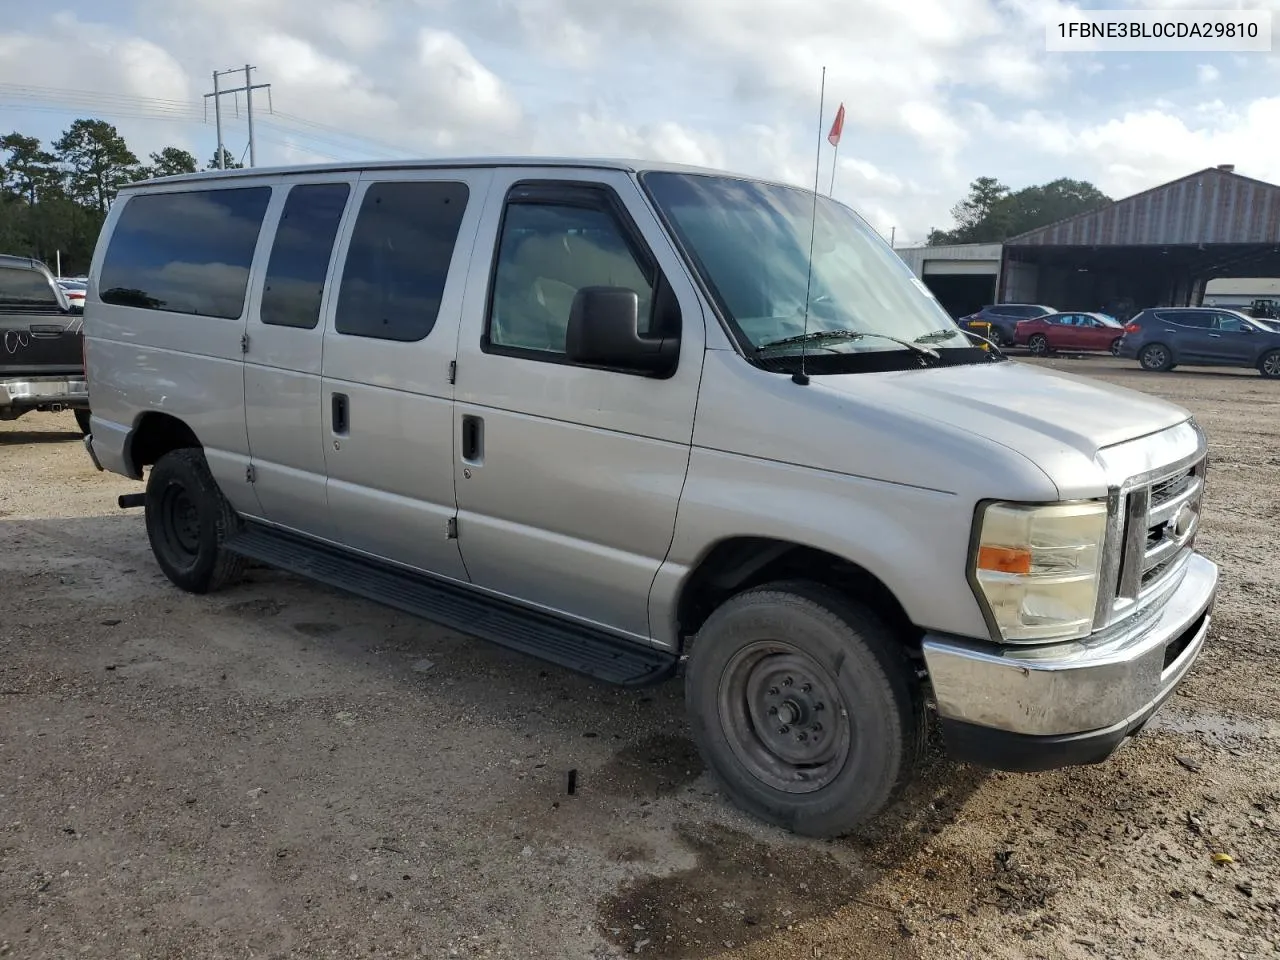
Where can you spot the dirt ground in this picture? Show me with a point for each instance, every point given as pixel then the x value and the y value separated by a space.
pixel 280 770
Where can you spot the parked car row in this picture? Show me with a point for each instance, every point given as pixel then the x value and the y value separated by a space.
pixel 1159 338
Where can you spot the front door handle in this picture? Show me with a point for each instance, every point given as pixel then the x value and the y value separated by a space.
pixel 1216 336
pixel 472 438
pixel 341 414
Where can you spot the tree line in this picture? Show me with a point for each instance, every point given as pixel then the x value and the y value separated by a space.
pixel 992 212
pixel 54 198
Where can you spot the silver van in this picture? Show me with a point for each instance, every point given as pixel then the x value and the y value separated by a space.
pixel 647 421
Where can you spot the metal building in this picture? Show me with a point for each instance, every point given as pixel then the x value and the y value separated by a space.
pixel 1158 247
pixel 962 275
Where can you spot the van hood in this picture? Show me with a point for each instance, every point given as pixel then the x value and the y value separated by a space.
pixel 1045 415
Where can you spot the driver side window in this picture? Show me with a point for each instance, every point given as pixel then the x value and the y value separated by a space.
pixel 547 253
pixel 1226 321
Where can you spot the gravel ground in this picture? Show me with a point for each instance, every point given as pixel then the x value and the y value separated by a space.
pixel 280 770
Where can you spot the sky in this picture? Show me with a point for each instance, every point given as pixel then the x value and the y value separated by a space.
pixel 937 92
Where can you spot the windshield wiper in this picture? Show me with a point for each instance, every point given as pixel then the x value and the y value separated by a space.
pixel 946 333
pixel 818 336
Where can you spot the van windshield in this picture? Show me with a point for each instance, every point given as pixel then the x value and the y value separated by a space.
pixel 750 243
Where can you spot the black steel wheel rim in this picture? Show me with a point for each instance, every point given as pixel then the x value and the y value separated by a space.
pixel 179 523
pixel 784 717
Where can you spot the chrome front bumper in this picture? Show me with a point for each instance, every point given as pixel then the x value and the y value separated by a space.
pixel 39 391
pixel 1022 708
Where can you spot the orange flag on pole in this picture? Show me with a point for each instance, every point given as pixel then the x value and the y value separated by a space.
pixel 837 128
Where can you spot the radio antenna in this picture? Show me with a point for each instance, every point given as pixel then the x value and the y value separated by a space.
pixel 802 377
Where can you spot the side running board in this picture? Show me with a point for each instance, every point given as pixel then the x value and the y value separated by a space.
pixel 531 632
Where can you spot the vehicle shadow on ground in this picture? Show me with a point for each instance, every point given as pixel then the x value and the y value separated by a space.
pixel 15 438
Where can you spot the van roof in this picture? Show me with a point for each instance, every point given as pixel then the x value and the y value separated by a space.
pixel 585 163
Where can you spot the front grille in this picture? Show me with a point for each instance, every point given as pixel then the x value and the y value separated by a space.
pixel 1154 534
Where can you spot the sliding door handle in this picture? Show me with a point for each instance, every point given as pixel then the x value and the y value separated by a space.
pixel 472 438
pixel 341 414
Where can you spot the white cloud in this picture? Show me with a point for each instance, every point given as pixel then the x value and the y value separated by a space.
pixel 1207 73
pixel 1144 148
pixel 937 91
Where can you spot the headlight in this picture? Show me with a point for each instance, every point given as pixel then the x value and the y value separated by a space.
pixel 1036 569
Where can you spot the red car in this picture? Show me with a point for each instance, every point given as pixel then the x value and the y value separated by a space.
pixel 1069 332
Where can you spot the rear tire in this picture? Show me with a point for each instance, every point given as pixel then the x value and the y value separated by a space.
pixel 1039 344
pixel 1269 365
pixel 1156 357
pixel 82 421
pixel 189 522
pixel 1115 347
pixel 804 706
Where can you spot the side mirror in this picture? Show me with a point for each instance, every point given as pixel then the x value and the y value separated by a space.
pixel 604 331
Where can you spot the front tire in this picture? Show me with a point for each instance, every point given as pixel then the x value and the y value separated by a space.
pixel 1269 365
pixel 1039 344
pixel 804 706
pixel 189 522
pixel 1156 357
pixel 82 421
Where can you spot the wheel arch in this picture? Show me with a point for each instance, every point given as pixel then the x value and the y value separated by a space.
pixel 153 435
pixel 737 563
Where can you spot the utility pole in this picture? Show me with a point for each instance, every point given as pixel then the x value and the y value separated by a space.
pixel 247 89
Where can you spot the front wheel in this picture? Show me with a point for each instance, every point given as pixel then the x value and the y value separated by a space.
pixel 189 522
pixel 1156 357
pixel 82 421
pixel 1039 344
pixel 804 706
pixel 1269 365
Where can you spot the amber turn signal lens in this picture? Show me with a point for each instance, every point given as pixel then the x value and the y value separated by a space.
pixel 1004 559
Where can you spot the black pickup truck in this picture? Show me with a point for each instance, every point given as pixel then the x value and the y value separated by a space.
pixel 41 344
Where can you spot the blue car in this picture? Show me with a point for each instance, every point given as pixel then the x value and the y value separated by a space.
pixel 1160 338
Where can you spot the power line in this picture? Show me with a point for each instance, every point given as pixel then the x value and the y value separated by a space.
pixel 53 99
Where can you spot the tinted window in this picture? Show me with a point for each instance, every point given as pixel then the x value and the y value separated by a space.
pixel 1229 322
pixel 300 255
pixel 26 287
pixel 185 252
pixel 546 254
pixel 1200 319
pixel 398 260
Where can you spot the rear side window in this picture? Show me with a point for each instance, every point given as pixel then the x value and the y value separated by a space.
pixel 186 252
pixel 300 255
pixel 1188 318
pixel 25 288
pixel 398 260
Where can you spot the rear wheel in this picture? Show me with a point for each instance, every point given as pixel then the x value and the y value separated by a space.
pixel 1039 344
pixel 804 706
pixel 1115 347
pixel 82 421
pixel 1156 357
pixel 1269 365
pixel 189 522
